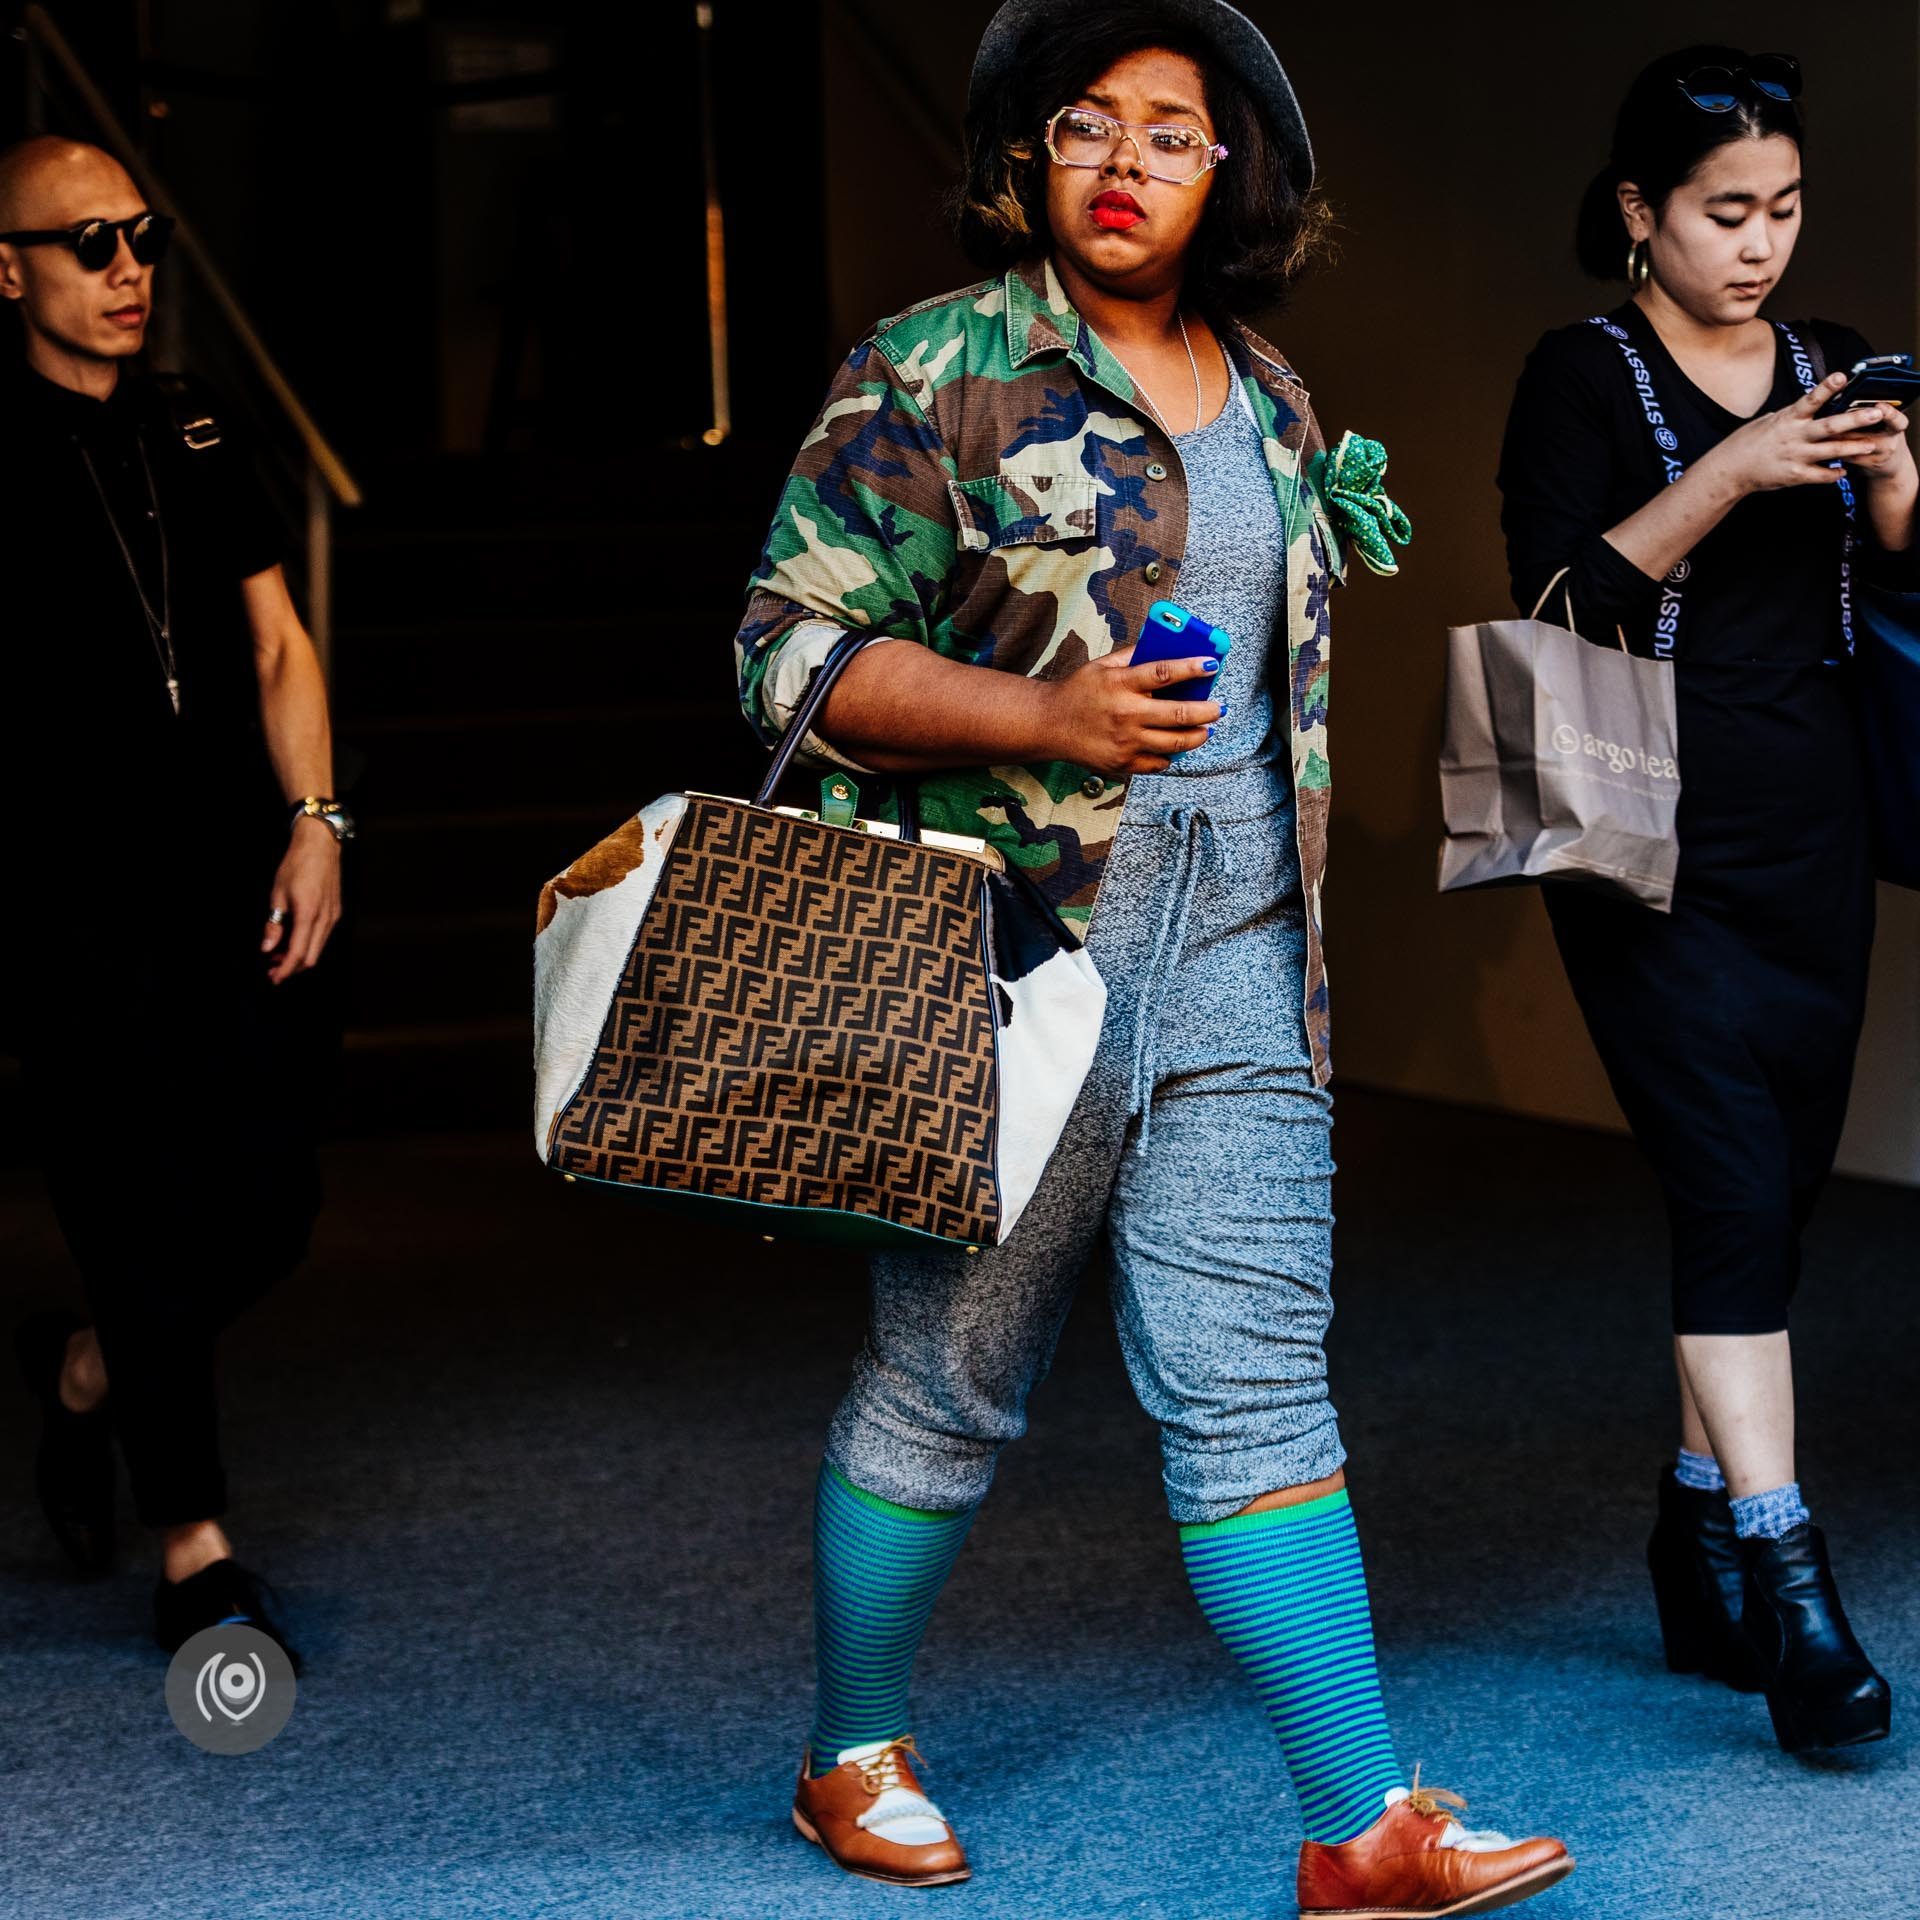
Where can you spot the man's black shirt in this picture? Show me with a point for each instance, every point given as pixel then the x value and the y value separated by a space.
pixel 88 734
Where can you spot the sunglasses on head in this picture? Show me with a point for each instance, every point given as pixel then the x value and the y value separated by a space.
pixel 95 242
pixel 1717 89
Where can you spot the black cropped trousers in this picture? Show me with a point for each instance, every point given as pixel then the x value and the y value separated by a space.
pixel 175 1135
pixel 1729 1041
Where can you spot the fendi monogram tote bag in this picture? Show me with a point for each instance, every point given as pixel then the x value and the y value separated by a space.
pixel 839 1032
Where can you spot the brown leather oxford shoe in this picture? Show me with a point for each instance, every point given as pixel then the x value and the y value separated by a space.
pixel 869 1816
pixel 1416 1862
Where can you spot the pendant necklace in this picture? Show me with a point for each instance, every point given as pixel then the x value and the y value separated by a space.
pixel 159 625
pixel 1192 363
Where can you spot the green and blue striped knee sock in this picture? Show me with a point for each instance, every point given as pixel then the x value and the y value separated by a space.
pixel 1286 1591
pixel 877 1570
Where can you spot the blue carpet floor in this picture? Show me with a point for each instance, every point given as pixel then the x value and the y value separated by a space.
pixel 533 1469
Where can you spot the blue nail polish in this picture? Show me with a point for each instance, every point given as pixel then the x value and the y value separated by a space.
pixel 1209 733
pixel 1209 666
pixel 1223 709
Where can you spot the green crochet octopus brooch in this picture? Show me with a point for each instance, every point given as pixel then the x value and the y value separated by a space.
pixel 1349 480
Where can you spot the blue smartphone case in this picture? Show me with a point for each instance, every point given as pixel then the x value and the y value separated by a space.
pixel 1172 633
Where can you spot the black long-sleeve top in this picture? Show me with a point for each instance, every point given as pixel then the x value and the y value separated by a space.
pixel 1770 761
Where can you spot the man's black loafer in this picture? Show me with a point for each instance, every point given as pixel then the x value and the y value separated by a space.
pixel 223 1591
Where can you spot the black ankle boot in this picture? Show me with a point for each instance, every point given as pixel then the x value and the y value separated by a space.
pixel 1821 1688
pixel 1697 1570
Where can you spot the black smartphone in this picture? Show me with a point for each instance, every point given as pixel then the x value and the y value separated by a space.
pixel 1885 378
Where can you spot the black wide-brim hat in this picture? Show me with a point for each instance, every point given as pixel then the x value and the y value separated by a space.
pixel 1224 31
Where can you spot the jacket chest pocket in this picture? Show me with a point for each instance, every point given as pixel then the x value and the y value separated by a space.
pixel 1020 509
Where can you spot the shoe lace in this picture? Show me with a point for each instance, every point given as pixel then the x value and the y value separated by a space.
pixel 1428 1801
pixel 881 1770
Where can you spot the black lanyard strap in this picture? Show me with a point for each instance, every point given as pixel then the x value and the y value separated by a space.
pixel 1666 445
pixel 1810 377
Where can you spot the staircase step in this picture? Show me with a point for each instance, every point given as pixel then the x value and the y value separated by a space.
pixel 391 672
pixel 612 759
pixel 453 491
pixel 465 1077
pixel 15 1142
pixel 479 862
pixel 435 968
pixel 460 1077
pixel 386 578
pixel 526 651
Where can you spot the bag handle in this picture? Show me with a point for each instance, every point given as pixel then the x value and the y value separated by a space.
pixel 1547 589
pixel 1666 448
pixel 808 711
pixel 1567 601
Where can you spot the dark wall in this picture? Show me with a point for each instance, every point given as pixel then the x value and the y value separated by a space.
pixel 433 281
pixel 1455 143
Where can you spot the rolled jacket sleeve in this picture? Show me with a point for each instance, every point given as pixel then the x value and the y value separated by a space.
pixel 801 653
pixel 863 540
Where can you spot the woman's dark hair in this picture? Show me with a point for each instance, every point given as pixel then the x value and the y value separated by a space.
pixel 1659 141
pixel 1258 233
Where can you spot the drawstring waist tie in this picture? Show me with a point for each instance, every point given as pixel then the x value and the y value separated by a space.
pixel 1197 844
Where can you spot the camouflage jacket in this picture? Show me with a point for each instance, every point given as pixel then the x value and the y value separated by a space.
pixel 982 479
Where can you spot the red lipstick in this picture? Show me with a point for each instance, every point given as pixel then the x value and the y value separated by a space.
pixel 1116 211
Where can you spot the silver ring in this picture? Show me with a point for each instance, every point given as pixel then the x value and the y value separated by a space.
pixel 278 916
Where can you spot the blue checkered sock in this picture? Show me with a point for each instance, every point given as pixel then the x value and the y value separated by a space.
pixel 1700 1471
pixel 1286 1591
pixel 1770 1515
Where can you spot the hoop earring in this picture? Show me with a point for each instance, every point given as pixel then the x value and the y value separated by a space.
pixel 1639 264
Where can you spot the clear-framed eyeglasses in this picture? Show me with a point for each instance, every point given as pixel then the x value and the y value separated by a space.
pixel 1079 137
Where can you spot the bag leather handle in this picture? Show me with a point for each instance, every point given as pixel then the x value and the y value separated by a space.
pixel 808 711
pixel 1568 601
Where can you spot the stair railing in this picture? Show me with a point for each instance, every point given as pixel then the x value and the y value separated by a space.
pixel 326 483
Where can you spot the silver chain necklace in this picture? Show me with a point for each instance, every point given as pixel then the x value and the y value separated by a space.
pixel 1192 363
pixel 159 625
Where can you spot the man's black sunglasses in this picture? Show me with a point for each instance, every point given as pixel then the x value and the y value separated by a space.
pixel 1717 89
pixel 95 242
